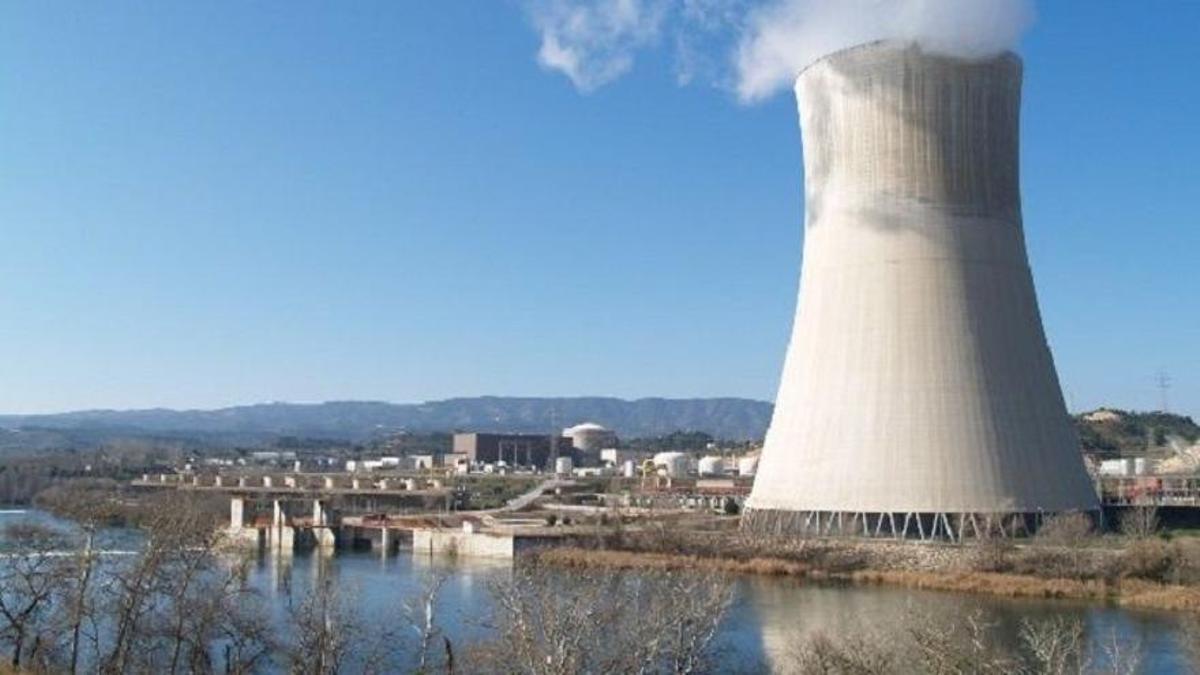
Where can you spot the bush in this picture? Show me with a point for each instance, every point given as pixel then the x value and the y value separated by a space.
pixel 1066 529
pixel 1139 522
pixel 992 555
pixel 1149 559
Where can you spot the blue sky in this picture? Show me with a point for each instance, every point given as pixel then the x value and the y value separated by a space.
pixel 205 204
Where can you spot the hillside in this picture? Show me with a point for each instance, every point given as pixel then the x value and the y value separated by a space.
pixel 726 418
pixel 1114 433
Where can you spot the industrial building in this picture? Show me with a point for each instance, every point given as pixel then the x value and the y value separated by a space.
pixel 919 397
pixel 532 450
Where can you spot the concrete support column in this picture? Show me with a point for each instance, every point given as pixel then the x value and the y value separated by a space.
pixel 237 513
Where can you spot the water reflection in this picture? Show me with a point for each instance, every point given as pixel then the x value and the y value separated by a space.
pixel 768 618
pixel 780 615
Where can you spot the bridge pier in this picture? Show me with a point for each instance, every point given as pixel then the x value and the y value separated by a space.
pixel 282 537
pixel 321 527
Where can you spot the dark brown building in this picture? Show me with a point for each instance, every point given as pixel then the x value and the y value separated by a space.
pixel 513 449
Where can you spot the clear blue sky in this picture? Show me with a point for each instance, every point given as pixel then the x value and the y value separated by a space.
pixel 213 203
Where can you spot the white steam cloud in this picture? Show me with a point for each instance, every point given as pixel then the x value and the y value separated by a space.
pixel 783 37
pixel 593 42
pixel 757 47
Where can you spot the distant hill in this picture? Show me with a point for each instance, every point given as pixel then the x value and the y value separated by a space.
pixel 725 418
pixel 1115 433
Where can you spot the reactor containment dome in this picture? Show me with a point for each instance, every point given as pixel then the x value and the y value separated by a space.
pixel 918 396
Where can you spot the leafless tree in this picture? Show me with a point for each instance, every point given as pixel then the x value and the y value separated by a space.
pixel 854 655
pixel 1055 645
pixel 1140 522
pixel 32 580
pixel 1121 657
pixel 421 614
pixel 329 635
pixel 959 648
pixel 167 608
pixel 648 622
pixel 91 505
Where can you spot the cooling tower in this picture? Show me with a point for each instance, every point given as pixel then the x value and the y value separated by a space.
pixel 918 396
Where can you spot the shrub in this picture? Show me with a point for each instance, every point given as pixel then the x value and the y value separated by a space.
pixel 992 555
pixel 1066 529
pixel 1148 559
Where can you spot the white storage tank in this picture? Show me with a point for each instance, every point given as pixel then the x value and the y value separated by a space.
pixel 563 466
pixel 748 465
pixel 712 466
pixel 629 469
pixel 675 464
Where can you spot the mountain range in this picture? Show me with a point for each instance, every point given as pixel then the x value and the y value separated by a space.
pixel 724 418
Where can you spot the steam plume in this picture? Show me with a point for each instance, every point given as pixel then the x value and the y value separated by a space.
pixel 593 42
pixel 783 37
pixel 763 43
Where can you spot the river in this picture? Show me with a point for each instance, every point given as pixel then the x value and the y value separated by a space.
pixel 767 615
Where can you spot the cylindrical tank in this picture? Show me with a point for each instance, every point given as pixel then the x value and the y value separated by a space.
pixel 674 464
pixel 629 468
pixel 711 466
pixel 748 465
pixel 563 466
pixel 918 378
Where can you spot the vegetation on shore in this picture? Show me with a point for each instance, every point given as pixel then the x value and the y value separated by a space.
pixel 1138 568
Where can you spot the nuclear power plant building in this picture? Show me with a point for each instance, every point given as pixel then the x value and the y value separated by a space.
pixel 918 395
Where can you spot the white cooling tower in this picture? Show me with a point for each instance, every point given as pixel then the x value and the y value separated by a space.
pixel 918 395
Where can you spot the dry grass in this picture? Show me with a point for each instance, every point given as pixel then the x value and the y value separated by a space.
pixel 1130 592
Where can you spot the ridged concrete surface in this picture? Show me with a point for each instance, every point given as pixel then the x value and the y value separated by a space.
pixel 918 377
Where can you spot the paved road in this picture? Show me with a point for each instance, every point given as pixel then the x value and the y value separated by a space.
pixel 527 498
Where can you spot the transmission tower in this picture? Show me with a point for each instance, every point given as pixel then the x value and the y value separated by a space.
pixel 1163 381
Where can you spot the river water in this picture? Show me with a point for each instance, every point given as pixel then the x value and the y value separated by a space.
pixel 768 614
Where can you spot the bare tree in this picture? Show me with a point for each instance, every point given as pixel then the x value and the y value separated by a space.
pixel 421 613
pixel 1121 657
pixel 32 581
pixel 1055 646
pixel 959 648
pixel 648 622
pixel 1140 522
pixel 854 655
pixel 168 607
pixel 329 635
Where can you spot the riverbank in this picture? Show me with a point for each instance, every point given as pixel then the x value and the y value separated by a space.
pixel 1123 591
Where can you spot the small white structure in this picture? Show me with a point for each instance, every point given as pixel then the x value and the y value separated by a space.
pixel 563 466
pixel 712 466
pixel 748 465
pixel 673 464
pixel 1127 466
